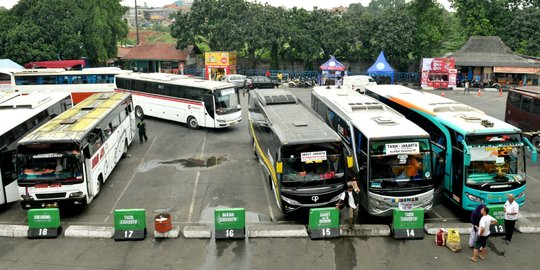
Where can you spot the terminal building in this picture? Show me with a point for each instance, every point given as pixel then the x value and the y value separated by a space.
pixel 487 59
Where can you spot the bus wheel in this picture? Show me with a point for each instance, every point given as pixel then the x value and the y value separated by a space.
pixel 536 142
pixel 124 154
pixel 99 185
pixel 192 122
pixel 270 182
pixel 139 112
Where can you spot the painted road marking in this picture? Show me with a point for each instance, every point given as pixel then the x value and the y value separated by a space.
pixel 129 182
pixel 192 205
pixel 265 187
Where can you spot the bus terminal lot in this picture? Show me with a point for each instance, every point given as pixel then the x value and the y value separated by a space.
pixel 174 172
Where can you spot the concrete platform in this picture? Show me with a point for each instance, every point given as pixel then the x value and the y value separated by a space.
pixel 13 230
pixel 95 232
pixel 198 231
pixel 276 231
pixel 462 228
pixel 528 227
pixel 365 230
pixel 173 233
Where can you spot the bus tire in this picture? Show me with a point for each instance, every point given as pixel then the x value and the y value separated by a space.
pixel 139 112
pixel 270 182
pixel 125 153
pixel 536 142
pixel 99 185
pixel 192 122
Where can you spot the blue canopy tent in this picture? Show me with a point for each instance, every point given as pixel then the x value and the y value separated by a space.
pixel 381 68
pixel 331 70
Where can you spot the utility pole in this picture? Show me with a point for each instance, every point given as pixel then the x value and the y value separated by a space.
pixel 136 22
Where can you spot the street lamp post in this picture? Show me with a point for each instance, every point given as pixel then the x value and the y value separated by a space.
pixel 136 22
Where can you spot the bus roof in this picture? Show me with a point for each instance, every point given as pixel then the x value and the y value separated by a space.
pixel 374 119
pixel 292 121
pixel 533 91
pixel 61 71
pixel 74 124
pixel 456 115
pixel 177 80
pixel 16 108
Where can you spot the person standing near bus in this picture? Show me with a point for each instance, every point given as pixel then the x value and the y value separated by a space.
pixel 142 130
pixel 466 89
pixel 483 235
pixel 350 199
pixel 511 210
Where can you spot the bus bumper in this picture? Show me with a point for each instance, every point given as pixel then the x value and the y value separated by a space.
pixel 471 198
pixel 27 202
pixel 290 205
pixel 383 206
pixel 225 123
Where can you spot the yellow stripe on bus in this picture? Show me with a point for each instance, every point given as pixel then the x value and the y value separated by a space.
pixel 265 160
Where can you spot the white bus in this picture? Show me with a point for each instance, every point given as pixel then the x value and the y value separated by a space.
pixel 197 102
pixel 393 162
pixel 21 114
pixel 69 159
pixel 80 83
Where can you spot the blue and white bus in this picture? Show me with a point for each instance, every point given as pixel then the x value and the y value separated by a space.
pixel 479 159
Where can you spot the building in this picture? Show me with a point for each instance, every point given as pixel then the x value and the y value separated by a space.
pixel 488 59
pixel 160 57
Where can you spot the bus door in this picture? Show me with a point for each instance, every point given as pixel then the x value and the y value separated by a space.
pixel 209 115
pixel 455 185
pixel 8 175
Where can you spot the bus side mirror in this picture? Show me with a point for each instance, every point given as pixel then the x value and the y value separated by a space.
pixel 279 167
pixel 530 146
pixel 86 152
pixel 349 162
pixel 466 154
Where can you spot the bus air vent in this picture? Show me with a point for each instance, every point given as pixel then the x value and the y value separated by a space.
pixel 469 118
pixel 486 123
pixel 280 99
pixel 300 124
pixel 382 120
pixel 68 121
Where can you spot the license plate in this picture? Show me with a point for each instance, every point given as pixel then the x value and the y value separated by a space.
pixel 55 185
pixel 42 186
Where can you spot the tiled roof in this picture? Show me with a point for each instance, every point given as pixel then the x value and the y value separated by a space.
pixel 158 51
pixel 489 51
pixel 123 51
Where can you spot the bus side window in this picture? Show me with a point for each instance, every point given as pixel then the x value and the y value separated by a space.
pixel 536 107
pixel 95 138
pixel 526 104
pixel 514 99
pixel 120 83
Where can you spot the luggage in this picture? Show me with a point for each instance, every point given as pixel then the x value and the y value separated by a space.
pixel 453 241
pixel 440 237
pixel 472 237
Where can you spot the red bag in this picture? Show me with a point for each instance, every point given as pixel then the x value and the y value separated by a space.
pixel 440 237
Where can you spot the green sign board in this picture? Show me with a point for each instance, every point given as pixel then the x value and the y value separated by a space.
pixel 408 224
pixel 43 223
pixel 230 223
pixel 129 224
pixel 497 212
pixel 323 223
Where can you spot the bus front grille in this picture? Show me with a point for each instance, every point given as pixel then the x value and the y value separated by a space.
pixel 51 195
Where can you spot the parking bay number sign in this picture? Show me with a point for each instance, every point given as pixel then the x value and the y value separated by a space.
pixel 497 212
pixel 44 223
pixel 230 223
pixel 129 224
pixel 408 224
pixel 323 223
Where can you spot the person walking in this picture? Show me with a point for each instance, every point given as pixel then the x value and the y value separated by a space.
pixel 467 89
pixel 480 250
pixel 142 130
pixel 350 199
pixel 511 211
pixel 476 215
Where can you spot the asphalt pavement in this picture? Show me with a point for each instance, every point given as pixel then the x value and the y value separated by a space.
pixel 188 173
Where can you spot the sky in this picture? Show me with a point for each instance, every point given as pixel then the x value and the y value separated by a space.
pixel 307 4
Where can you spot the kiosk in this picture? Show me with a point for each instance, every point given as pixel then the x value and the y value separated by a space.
pixel 219 64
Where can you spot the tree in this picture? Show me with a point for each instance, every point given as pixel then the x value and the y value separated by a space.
pixel 521 33
pixel 429 34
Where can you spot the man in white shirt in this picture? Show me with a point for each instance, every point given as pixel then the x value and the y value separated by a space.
pixel 351 200
pixel 511 210
pixel 483 235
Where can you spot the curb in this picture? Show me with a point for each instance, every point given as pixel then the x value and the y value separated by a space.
pixel 528 227
pixel 173 233
pixel 462 228
pixel 365 230
pixel 276 231
pixel 95 232
pixel 198 232
pixel 13 231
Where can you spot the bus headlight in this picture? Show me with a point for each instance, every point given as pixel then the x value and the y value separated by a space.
pixel 520 195
pixel 221 121
pixel 336 198
pixel 77 194
pixel 27 198
pixel 289 201
pixel 474 198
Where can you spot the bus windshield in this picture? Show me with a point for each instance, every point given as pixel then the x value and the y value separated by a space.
pixel 495 159
pixel 309 162
pixel 49 167
pixel 227 101
pixel 400 163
